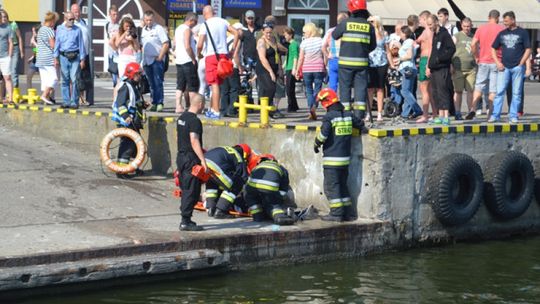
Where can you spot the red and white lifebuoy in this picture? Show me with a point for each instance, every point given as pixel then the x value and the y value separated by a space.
pixel 120 167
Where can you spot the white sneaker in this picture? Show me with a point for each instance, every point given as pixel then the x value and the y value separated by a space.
pixel 478 112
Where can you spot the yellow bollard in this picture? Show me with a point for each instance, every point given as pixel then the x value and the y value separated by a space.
pixel 264 111
pixel 242 110
pixel 16 95
pixel 32 96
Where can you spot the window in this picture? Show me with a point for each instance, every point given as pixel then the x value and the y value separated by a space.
pixel 309 4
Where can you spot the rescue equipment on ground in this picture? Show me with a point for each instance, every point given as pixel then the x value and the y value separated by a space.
pixel 118 167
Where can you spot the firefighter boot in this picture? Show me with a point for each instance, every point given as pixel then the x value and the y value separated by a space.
pixel 283 220
pixel 188 225
pixel 349 215
pixel 220 214
pixel 335 215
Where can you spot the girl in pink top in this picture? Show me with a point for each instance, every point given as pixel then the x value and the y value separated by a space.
pixel 125 42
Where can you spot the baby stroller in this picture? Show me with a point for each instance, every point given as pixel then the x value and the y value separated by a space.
pixel 392 104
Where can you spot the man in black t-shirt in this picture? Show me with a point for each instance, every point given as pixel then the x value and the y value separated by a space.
pixel 189 137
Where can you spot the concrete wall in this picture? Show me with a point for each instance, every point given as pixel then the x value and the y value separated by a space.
pixel 387 175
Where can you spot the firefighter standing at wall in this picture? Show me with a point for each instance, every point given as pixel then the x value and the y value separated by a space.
pixel 357 41
pixel 335 139
pixel 128 107
pixel 228 169
pixel 265 191
pixel 190 153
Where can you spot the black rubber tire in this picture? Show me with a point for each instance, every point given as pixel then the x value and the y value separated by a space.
pixel 454 189
pixel 537 190
pixel 509 184
pixel 391 109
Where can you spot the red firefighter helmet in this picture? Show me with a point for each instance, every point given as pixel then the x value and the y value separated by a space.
pixel 268 157
pixel 246 149
pixel 356 5
pixel 327 97
pixel 253 160
pixel 132 68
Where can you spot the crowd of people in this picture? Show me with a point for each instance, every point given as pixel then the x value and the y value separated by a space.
pixel 427 53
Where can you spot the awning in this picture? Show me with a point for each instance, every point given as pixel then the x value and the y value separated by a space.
pixel 393 11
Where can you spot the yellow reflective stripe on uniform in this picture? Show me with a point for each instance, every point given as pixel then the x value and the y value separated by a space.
pixel 353 63
pixel 359 105
pixel 355 39
pixel 271 166
pixel 211 193
pixel 228 196
pixel 219 173
pixel 321 137
pixel 262 184
pixel 347 201
pixel 336 161
pixel 347 107
pixel 122 110
pixel 254 209
pixel 336 203
pixel 230 150
pixel 277 211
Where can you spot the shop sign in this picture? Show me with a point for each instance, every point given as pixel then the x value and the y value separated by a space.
pixel 243 3
pixel 185 5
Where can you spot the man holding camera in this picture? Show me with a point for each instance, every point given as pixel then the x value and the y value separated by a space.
pixel 155 45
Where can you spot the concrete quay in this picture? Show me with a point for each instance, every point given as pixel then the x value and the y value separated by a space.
pixel 66 221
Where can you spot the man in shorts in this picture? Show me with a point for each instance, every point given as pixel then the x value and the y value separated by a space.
pixel 187 80
pixel 464 66
pixel 486 76
pixel 218 30
pixel 6 50
pixel 424 43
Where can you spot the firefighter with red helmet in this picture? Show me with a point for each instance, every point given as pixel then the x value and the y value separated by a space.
pixel 357 41
pixel 127 110
pixel 228 170
pixel 265 191
pixel 335 138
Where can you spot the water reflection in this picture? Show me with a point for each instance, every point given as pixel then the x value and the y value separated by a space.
pixel 491 272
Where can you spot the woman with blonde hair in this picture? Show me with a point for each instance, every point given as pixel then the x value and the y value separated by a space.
pixel 378 66
pixel 45 58
pixel 126 43
pixel 312 62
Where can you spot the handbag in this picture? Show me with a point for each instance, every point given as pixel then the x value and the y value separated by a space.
pixel 144 85
pixel 113 67
pixel 225 65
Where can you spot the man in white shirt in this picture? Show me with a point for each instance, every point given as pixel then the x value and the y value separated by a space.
pixel 155 45
pixel 111 28
pixel 218 30
pixel 187 80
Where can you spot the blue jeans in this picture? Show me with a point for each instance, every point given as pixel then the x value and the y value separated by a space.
pixel 70 69
pixel 313 82
pixel 410 106
pixel 154 73
pixel 15 56
pixel 333 72
pixel 516 76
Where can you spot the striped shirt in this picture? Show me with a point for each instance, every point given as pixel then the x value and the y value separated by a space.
pixel 313 56
pixel 45 50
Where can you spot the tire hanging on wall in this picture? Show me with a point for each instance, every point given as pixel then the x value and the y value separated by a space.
pixel 454 189
pixel 509 184
pixel 119 167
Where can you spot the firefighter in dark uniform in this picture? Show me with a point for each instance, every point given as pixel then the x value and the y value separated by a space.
pixel 227 167
pixel 190 153
pixel 128 107
pixel 265 191
pixel 335 139
pixel 357 41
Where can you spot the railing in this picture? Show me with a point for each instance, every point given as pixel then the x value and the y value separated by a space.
pixel 243 107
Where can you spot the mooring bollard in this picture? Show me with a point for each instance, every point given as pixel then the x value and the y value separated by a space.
pixel 16 97
pixel 264 109
pixel 31 97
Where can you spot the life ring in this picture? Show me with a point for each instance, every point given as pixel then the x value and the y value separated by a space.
pixel 509 184
pixel 120 167
pixel 454 189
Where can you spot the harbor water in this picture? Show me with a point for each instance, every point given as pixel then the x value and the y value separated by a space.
pixel 489 272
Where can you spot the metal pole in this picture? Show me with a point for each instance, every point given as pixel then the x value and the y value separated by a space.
pixel 90 42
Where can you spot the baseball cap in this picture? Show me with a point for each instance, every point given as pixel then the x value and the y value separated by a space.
pixel 250 14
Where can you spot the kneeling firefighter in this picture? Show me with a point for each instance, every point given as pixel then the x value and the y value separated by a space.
pixel 228 172
pixel 335 139
pixel 265 191
pixel 127 108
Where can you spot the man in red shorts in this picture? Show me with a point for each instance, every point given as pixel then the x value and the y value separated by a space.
pixel 218 28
